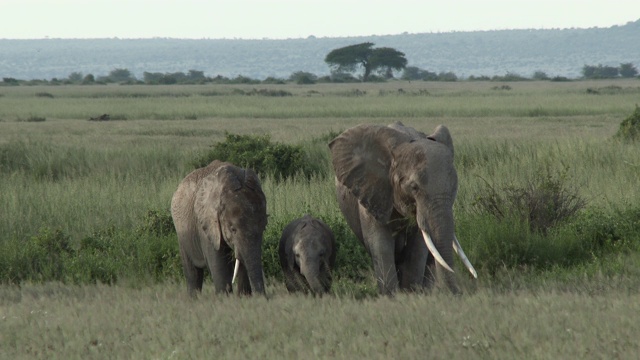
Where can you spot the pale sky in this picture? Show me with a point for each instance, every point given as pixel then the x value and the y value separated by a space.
pixel 281 19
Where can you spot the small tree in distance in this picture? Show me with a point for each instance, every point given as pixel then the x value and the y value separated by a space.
pixel 120 75
pixel 350 58
pixel 628 70
pixel 75 77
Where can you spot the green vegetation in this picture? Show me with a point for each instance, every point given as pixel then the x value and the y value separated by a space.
pixel 282 161
pixel 630 127
pixel 626 70
pixel 547 211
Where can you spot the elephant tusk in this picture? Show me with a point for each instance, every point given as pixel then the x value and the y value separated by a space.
pixel 434 251
pixel 458 248
pixel 235 271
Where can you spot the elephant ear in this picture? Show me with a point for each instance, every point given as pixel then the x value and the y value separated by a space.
pixel 209 205
pixel 361 158
pixel 442 135
pixel 285 250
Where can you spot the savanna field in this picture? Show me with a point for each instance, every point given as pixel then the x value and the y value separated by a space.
pixel 547 211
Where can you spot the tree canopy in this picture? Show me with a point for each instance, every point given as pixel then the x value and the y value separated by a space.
pixel 350 58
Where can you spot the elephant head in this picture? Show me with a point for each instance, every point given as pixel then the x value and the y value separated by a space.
pixel 307 255
pixel 219 212
pixel 397 173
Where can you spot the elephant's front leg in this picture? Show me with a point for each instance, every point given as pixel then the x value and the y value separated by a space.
pixel 429 273
pixel 412 262
pixel 381 246
pixel 221 267
pixel 243 285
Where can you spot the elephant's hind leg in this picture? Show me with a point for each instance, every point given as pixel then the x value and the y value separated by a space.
pixel 193 275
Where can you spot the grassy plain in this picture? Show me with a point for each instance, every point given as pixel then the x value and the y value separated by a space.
pixel 84 176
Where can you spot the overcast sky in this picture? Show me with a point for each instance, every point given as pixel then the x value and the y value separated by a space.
pixel 279 19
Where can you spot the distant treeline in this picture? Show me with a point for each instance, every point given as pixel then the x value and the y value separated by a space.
pixel 124 76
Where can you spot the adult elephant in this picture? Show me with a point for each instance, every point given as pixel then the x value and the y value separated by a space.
pixel 307 255
pixel 219 212
pixel 396 187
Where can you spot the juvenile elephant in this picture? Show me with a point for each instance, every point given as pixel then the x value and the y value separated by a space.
pixel 219 212
pixel 307 254
pixel 396 187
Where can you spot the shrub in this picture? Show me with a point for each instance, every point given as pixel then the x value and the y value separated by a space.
pixel 240 79
pixel 157 223
pixel 630 127
pixel 95 261
pixel 540 75
pixel 156 258
pixel 543 202
pixel 509 77
pixel 10 81
pixel 303 78
pixel 273 80
pixel 352 260
pixel 260 154
pixel 38 258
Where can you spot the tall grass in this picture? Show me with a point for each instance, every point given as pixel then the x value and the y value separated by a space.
pixel 84 178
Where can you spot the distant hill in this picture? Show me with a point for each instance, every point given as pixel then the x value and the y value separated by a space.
pixel 557 52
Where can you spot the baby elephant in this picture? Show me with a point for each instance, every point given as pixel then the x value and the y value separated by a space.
pixel 307 255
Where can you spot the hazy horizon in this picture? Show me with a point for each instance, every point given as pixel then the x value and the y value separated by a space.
pixel 299 19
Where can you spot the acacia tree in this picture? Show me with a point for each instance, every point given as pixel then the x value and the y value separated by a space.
pixel 386 60
pixel 350 58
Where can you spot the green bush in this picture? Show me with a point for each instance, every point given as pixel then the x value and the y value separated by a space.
pixel 270 244
pixel 39 258
pixel 95 261
pixel 263 156
pixel 630 127
pixel 604 231
pixel 157 223
pixel 303 78
pixel 157 258
pixel 352 260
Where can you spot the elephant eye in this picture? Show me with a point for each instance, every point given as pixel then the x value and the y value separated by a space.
pixel 414 187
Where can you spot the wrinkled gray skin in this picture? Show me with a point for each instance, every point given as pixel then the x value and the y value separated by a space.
pixel 393 181
pixel 219 212
pixel 307 254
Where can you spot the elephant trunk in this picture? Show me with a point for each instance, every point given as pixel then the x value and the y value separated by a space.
pixel 312 271
pixel 253 265
pixel 437 226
